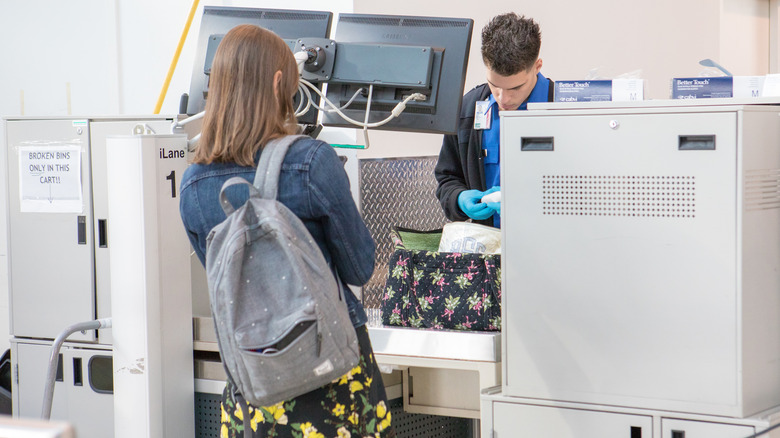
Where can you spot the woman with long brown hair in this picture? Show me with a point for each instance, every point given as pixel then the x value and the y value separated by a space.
pixel 252 83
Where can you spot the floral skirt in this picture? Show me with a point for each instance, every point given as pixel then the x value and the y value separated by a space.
pixel 354 406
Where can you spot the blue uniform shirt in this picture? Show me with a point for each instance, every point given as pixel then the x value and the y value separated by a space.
pixel 491 137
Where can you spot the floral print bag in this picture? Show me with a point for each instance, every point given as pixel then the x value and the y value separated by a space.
pixel 440 290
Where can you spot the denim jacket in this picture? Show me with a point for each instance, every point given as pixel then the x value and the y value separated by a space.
pixel 314 186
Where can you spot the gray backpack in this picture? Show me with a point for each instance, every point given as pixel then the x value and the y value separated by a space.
pixel 282 324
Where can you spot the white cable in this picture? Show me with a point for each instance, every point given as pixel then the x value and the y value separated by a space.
pixel 343 107
pixel 297 110
pixel 305 94
pixel 300 58
pixel 351 99
pixel 365 138
pixel 310 102
pixel 399 108
pixel 368 104
pixel 368 111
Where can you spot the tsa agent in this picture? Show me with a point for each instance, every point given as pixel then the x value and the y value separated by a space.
pixel 468 166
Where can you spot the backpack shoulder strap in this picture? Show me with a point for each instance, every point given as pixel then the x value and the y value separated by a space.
pixel 270 165
pixel 227 207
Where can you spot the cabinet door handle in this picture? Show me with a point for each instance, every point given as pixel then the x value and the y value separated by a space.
pixel 78 374
pixel 81 229
pixel 537 143
pixel 696 143
pixel 102 233
pixel 58 377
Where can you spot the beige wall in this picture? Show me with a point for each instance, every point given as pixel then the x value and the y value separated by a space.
pixel 774 36
pixel 662 38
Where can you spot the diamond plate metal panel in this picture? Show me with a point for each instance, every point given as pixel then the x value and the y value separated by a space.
pixel 396 192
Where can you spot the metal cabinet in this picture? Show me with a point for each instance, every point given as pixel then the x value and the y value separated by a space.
pixel 675 428
pixel 641 257
pixel 58 219
pixel 511 417
pixel 83 394
pixel 522 420
pixel 51 252
pixel 59 260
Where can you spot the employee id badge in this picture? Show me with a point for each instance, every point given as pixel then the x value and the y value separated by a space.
pixel 482 115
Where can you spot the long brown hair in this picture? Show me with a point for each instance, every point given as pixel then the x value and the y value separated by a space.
pixel 242 111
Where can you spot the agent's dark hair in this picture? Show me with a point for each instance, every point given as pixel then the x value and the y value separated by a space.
pixel 510 44
pixel 245 109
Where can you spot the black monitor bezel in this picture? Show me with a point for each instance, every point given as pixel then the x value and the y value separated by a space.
pixel 287 23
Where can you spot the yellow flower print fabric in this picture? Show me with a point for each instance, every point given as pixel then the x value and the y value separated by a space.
pixel 352 406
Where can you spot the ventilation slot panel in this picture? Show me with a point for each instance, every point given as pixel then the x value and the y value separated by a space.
pixel 762 189
pixel 619 195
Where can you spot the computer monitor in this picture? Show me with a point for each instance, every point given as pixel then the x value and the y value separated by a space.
pixel 218 20
pixel 450 38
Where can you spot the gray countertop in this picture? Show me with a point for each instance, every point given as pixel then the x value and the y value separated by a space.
pixel 399 341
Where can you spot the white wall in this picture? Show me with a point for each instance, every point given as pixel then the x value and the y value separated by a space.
pixel 101 57
pixel 58 58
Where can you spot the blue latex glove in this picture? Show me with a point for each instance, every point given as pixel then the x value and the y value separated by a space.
pixel 469 203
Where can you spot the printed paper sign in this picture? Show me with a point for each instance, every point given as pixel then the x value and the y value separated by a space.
pixel 50 179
